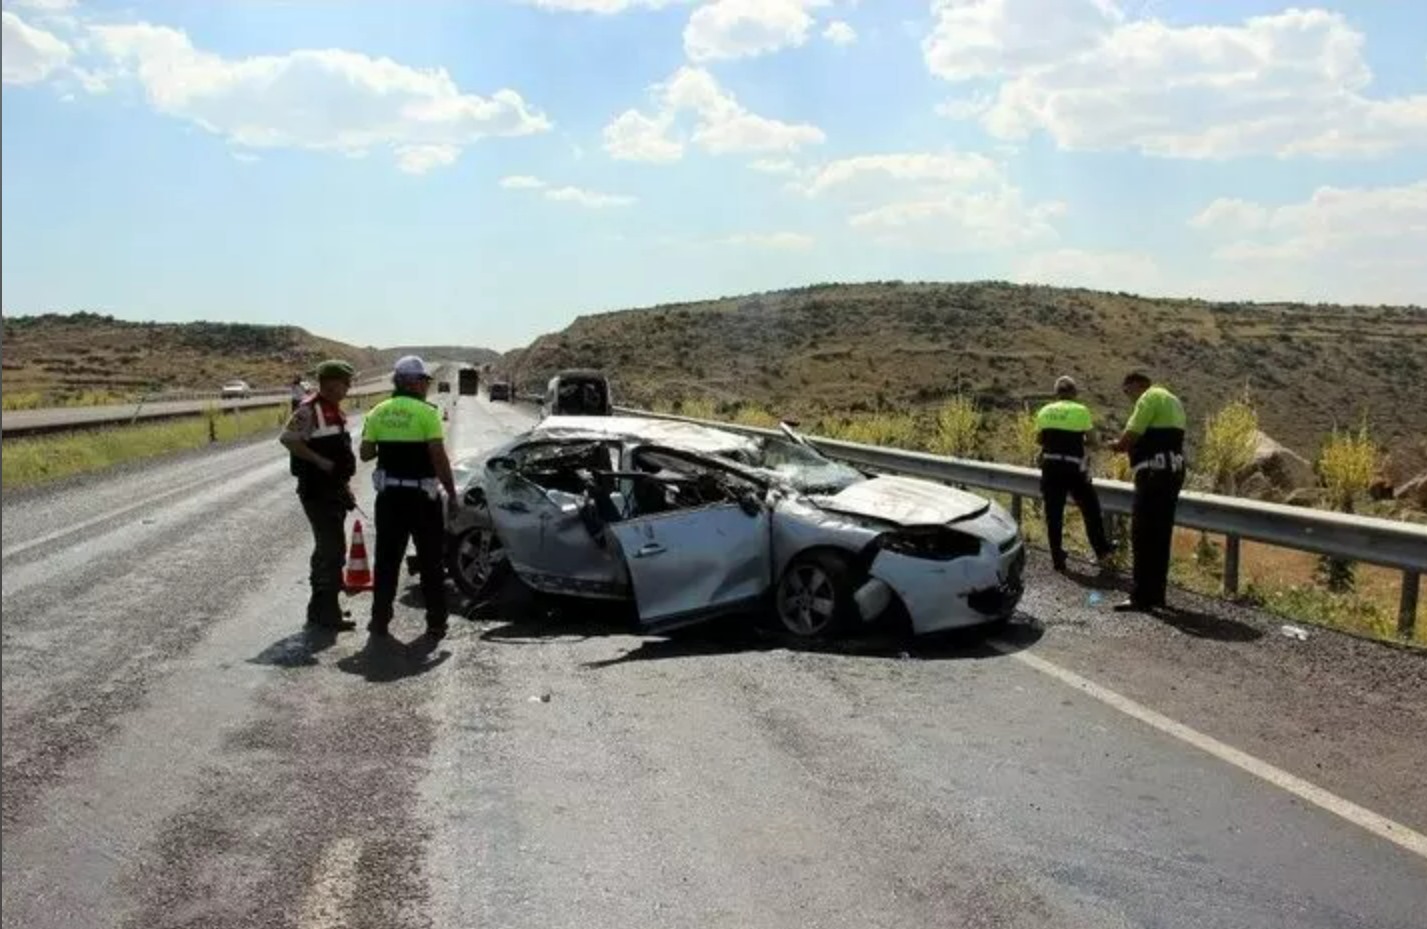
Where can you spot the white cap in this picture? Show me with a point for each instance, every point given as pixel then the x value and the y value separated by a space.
pixel 410 367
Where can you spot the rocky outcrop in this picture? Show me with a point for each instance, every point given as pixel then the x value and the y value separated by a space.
pixel 1414 492
pixel 1276 470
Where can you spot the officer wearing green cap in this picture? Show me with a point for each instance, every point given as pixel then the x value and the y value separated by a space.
pixel 1063 428
pixel 322 460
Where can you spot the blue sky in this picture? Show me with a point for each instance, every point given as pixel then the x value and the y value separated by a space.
pixel 482 172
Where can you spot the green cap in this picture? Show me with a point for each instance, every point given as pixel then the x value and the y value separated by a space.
pixel 335 368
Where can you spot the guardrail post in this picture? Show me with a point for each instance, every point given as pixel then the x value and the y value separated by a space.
pixel 1231 566
pixel 1407 611
pixel 1016 508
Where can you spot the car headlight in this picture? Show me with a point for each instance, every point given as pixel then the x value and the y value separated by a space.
pixel 935 543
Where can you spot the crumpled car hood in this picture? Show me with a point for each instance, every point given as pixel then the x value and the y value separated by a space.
pixel 905 501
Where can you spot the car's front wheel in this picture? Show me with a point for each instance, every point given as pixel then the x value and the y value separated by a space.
pixel 814 597
pixel 476 561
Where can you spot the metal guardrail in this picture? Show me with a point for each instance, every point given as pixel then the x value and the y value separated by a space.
pixel 17 423
pixel 1384 542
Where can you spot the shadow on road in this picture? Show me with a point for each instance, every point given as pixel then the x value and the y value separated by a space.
pixel 526 618
pixel 299 650
pixel 752 634
pixel 1101 580
pixel 384 661
pixel 1204 625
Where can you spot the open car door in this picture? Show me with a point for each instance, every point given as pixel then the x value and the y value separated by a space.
pixel 547 523
pixel 696 544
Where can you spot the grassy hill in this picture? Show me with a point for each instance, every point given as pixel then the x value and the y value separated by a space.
pixel 893 346
pixel 85 356
pixel 475 356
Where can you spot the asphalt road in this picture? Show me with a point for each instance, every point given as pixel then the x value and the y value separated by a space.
pixel 178 753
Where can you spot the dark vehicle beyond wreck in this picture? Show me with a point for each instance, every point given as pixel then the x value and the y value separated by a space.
pixel 688 523
pixel 577 393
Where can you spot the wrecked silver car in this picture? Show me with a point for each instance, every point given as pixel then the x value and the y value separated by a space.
pixel 688 522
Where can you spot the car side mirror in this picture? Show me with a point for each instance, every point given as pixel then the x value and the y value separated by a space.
pixel 501 463
pixel 749 503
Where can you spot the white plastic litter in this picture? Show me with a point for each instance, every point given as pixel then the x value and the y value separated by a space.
pixel 1294 632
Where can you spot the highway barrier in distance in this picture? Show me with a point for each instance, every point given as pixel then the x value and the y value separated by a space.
pixel 1385 542
pixel 17 423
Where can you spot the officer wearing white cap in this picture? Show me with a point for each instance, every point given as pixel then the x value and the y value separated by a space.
pixel 405 435
pixel 1063 427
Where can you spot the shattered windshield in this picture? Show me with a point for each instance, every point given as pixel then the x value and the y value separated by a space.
pixel 804 468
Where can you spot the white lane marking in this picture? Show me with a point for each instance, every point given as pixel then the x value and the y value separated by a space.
pixel 334 887
pixel 112 514
pixel 354 424
pixel 1379 825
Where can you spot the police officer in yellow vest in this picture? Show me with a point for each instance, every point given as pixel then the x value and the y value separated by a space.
pixel 320 449
pixel 1154 440
pixel 1063 428
pixel 404 434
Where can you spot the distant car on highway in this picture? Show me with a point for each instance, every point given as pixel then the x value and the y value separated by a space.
pixel 687 523
pixel 499 390
pixel 577 393
pixel 236 390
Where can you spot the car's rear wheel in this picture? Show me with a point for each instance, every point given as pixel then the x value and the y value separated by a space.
pixel 814 597
pixel 476 561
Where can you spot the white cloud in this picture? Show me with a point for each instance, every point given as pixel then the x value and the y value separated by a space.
pixel 521 182
pixel 45 6
pixel 723 29
pixel 960 220
pixel 320 100
pixel 246 158
pixel 959 201
pixel 1114 271
pixel 632 136
pixel 721 125
pixel 840 33
pixel 791 241
pixel 1289 84
pixel 586 198
pixel 1334 228
pixel 947 167
pixel 983 38
pixel 29 55
pixel 1356 245
pixel 418 159
pixel 965 107
pixel 1231 215
pixel 602 7
pixel 774 166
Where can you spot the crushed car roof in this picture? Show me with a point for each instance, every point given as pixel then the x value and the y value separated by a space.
pixel 671 433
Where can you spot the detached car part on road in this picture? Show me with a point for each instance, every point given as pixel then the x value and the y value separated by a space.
pixel 688 523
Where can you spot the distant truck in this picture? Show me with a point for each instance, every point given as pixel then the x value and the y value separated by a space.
pixel 469 381
pixel 577 393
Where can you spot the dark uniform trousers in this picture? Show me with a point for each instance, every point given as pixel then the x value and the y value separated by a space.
pixel 1152 532
pixel 327 515
pixel 1060 480
pixel 407 514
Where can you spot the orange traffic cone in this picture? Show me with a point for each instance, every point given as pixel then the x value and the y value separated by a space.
pixel 359 573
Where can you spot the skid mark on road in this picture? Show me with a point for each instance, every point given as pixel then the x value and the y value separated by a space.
pixel 1379 825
